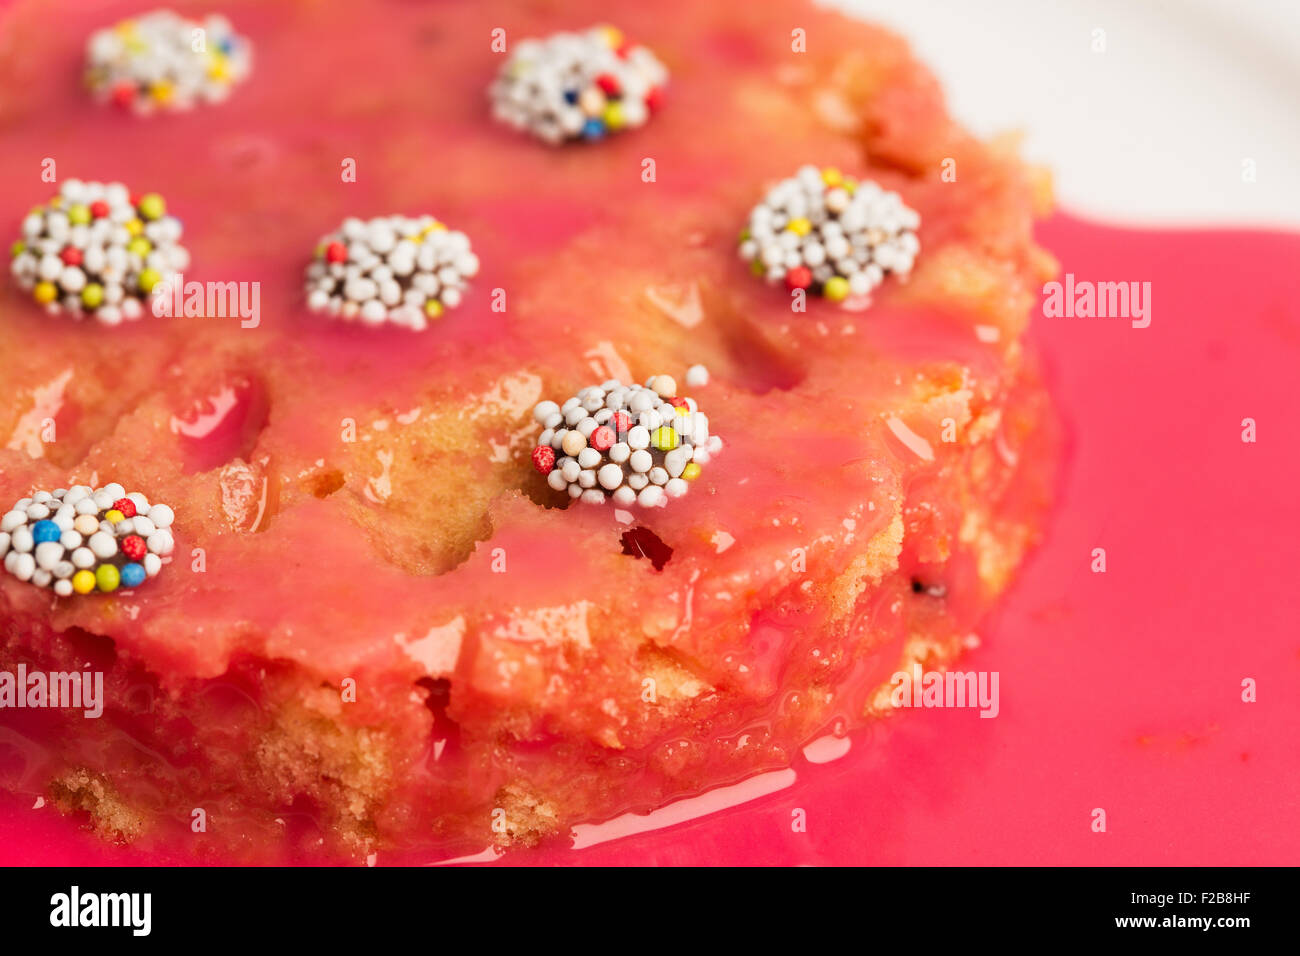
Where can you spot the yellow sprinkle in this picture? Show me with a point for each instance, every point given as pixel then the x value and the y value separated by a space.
pixel 433 309
pixel 160 91
pixel 107 577
pixel 613 36
pixel 45 292
pixel 134 227
pixel 83 582
pixel 151 206
pixel 114 516
pixel 836 288
pixel 831 176
pixel 691 471
pixel 56 202
pixel 149 278
pixel 140 246
pixel 800 226
pixel 665 438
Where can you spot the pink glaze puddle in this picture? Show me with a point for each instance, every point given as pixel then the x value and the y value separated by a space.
pixel 223 425
pixel 1119 691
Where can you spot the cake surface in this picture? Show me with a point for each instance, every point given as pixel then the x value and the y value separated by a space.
pixel 380 631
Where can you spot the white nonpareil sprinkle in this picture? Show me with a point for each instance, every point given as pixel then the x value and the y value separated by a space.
pixel 395 269
pixel 82 539
pixel 637 444
pixel 697 376
pixel 165 62
pixel 821 231
pixel 92 251
pixel 573 86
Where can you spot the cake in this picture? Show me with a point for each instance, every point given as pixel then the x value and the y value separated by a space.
pixel 380 630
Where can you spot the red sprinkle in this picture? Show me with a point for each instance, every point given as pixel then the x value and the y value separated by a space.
pixel 133 547
pixel 654 99
pixel 99 209
pixel 624 49
pixel 678 402
pixel 124 93
pixel 608 84
pixel 71 256
pixel 126 506
pixel 544 459
pixel 602 439
pixel 621 422
pixel 336 252
pixel 800 277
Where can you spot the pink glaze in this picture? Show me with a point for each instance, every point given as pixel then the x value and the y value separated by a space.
pixel 1119 691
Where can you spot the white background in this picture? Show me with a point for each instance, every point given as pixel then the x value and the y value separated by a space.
pixel 1153 130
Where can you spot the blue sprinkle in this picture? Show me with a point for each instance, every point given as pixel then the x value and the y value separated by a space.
pixel 593 129
pixel 226 46
pixel 570 96
pixel 132 575
pixel 44 531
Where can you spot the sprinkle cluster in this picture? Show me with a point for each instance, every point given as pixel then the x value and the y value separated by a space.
pixel 578 85
pixel 163 61
pixel 81 539
pixel 390 269
pixel 636 444
pixel 824 231
pixel 95 249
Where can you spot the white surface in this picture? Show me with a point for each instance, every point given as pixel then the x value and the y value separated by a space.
pixel 1156 128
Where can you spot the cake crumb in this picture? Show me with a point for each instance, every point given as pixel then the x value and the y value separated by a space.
pixel 528 818
pixel 879 559
pixel 82 790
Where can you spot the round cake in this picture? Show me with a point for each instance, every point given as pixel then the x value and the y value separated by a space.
pixel 382 628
